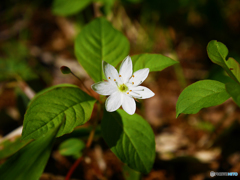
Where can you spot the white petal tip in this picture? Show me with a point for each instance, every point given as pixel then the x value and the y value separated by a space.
pixel 131 113
pixel 109 110
pixel 147 69
pixel 150 95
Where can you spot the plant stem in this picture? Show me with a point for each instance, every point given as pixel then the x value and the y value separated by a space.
pixel 73 168
pixel 88 144
pixel 82 83
pixel 76 163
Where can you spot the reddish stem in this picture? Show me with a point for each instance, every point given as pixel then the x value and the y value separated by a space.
pixel 76 163
pixel 82 83
pixel 72 169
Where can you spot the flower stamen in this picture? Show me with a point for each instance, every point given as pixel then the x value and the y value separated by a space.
pixel 109 78
pixel 120 75
pixel 123 88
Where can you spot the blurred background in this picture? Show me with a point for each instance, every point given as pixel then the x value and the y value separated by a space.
pixel 36 40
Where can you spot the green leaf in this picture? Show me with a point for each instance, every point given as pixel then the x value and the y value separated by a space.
pixel 155 62
pixel 234 67
pixel 130 174
pixel 204 125
pixel 66 8
pixel 202 94
pixel 233 89
pixel 9 147
pixel 218 52
pixel 72 147
pixel 30 161
pixel 130 138
pixel 99 41
pixel 66 105
pixel 49 89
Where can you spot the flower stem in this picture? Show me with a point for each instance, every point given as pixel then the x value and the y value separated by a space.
pixel 82 83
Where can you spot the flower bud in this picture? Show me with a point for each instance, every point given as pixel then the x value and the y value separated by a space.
pixel 65 70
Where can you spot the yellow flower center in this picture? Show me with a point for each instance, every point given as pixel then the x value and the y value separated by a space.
pixel 123 88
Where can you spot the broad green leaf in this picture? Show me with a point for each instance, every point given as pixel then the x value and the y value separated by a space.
pixel 218 52
pixel 66 8
pixel 99 41
pixel 202 94
pixel 130 174
pixel 155 62
pixel 30 161
pixel 49 89
pixel 233 89
pixel 72 147
pixel 9 147
pixel 130 138
pixel 66 105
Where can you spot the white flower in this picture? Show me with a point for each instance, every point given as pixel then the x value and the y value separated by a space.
pixel 123 87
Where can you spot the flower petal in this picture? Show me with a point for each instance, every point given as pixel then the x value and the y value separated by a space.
pixel 113 102
pixel 126 69
pixel 128 104
pixel 110 73
pixel 139 76
pixel 141 92
pixel 104 88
